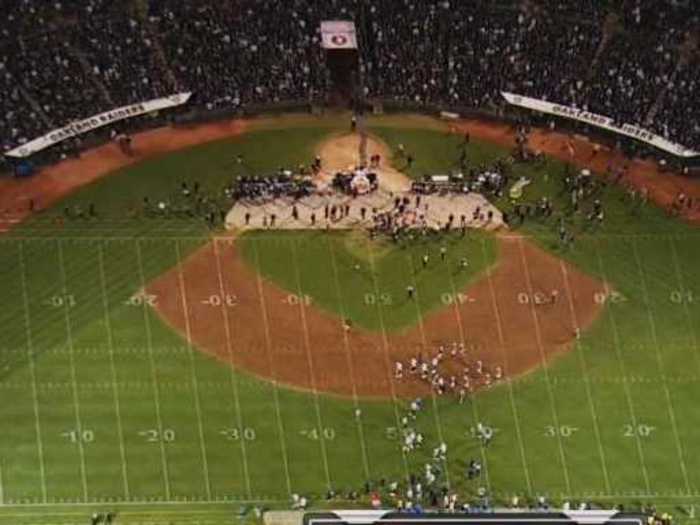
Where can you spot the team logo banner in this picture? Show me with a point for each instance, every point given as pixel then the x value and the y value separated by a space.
pixel 97 121
pixel 338 34
pixel 601 121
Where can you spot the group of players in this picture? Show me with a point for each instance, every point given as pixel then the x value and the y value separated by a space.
pixel 449 370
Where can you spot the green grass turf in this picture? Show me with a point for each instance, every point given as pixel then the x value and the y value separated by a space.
pixel 102 403
pixel 357 264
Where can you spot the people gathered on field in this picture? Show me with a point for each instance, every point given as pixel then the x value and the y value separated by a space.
pixel 636 62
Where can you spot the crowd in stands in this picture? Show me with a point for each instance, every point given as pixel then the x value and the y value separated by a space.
pixel 634 60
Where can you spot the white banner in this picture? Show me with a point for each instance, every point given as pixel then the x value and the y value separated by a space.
pixel 601 121
pixel 338 34
pixel 97 121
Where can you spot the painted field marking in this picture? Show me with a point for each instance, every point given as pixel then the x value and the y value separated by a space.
pixel 686 310
pixel 584 369
pixel 660 363
pixel 233 379
pixel 113 368
pixel 538 338
pixel 268 343
pixel 157 235
pixel 502 346
pixel 424 341
pixel 193 372
pixel 32 369
pixel 154 378
pixel 621 361
pixel 74 379
pixel 351 368
pixel 460 299
pixel 309 359
pixel 387 358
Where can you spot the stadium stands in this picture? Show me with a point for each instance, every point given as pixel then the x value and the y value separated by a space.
pixel 634 60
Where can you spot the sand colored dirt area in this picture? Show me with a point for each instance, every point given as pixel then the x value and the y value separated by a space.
pixel 344 153
pixel 268 335
pixel 435 208
pixel 341 153
pixel 663 187
pixel 61 179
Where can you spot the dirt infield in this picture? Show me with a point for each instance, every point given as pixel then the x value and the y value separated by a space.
pixel 343 153
pixel 57 181
pixel 301 346
pixel 663 187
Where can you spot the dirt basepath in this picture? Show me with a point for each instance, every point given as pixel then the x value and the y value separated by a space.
pixel 267 335
pixel 57 181
pixel 663 187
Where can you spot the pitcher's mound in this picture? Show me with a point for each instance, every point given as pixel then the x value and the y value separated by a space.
pixel 347 151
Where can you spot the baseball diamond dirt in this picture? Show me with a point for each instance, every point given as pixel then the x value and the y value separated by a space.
pixel 268 335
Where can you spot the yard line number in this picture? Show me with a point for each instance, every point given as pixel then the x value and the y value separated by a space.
pixel 60 300
pixel 142 299
pixel 640 430
pixel 83 436
pixel 448 298
pixel 236 434
pixel 611 297
pixel 682 296
pixel 565 431
pixel 315 434
pixel 536 297
pixel 221 300
pixel 295 300
pixel 154 435
pixel 383 299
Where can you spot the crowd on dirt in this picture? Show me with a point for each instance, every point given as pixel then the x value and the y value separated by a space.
pixel 448 370
pixel 634 60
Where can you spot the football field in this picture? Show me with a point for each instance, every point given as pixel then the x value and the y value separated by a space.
pixel 109 403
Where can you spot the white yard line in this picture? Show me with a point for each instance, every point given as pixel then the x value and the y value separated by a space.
pixel 32 370
pixel 233 378
pixel 193 371
pixel 659 359
pixel 621 362
pixel 351 368
pixel 113 369
pixel 504 353
pixel 309 359
pixel 584 370
pixel 272 235
pixel 424 341
pixel 217 385
pixel 74 379
pixel 684 300
pixel 543 359
pixel 2 487
pixel 268 342
pixel 387 359
pixel 154 378
pixel 472 401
